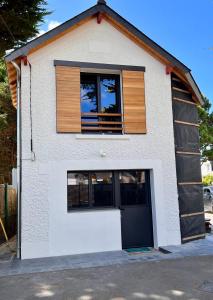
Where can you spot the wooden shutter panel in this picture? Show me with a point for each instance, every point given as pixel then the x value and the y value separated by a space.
pixel 68 110
pixel 134 102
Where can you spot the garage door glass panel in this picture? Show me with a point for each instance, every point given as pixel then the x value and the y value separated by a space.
pixel 133 187
pixel 78 190
pixel 102 189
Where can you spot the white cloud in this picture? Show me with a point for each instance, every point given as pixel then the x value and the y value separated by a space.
pixel 52 24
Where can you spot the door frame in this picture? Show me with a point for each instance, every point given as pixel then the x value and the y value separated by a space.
pixel 149 198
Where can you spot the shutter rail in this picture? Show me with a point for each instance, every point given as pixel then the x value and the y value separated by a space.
pixel 102 122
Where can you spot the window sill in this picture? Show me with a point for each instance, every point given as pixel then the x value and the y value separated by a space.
pixel 102 137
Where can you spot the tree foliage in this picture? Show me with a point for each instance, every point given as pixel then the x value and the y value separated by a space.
pixel 7 127
pixel 7 111
pixel 206 130
pixel 208 180
pixel 19 21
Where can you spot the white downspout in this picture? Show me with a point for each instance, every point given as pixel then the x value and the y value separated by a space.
pixel 18 71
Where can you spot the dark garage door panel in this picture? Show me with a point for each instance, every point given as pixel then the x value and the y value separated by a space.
pixel 137 222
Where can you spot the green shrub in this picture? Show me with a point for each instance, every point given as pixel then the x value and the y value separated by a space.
pixel 208 180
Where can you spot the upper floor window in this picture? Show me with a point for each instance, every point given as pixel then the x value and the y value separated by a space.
pixel 100 103
pixel 91 102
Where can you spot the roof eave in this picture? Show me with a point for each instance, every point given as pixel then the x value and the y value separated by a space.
pixel 195 87
pixel 131 28
pixel 24 50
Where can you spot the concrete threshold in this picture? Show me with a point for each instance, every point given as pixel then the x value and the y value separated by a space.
pixel 17 267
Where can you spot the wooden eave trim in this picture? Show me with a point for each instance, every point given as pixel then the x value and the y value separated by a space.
pixel 115 24
pixel 95 11
pixel 135 39
pixel 151 51
pixel 122 26
pixel 12 78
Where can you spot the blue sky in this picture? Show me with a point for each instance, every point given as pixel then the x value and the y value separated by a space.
pixel 182 27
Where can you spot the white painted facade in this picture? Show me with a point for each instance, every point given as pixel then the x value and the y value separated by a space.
pixel 206 168
pixel 47 228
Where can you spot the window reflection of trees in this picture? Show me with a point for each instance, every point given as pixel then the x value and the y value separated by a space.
pixel 100 95
pixel 89 95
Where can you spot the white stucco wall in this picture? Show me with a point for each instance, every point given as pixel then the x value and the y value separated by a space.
pixel 206 168
pixel 47 228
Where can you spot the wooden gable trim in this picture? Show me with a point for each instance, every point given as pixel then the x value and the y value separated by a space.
pixel 123 26
pixel 12 79
pixel 116 25
pixel 150 50
pixel 135 39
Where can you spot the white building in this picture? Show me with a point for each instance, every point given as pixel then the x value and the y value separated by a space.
pixel 105 146
pixel 207 168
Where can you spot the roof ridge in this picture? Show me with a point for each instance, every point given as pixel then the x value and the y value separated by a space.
pixel 102 7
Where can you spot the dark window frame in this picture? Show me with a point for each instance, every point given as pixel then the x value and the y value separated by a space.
pixel 99 105
pixel 115 190
pixel 147 189
pixel 91 206
pixel 98 86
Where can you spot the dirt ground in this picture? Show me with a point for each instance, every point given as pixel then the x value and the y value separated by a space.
pixel 185 279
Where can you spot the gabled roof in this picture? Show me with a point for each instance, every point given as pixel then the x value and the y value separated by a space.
pixel 121 24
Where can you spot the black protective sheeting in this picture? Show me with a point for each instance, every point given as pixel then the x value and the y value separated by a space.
pixel 188 168
pixel 185 112
pixel 179 85
pixel 186 138
pixel 190 198
pixel 181 95
pixel 191 226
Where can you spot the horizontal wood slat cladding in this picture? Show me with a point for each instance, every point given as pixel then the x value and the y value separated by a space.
pixel 134 102
pixel 68 111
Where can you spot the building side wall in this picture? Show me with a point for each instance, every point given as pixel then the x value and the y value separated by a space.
pixel 47 228
pixel 188 164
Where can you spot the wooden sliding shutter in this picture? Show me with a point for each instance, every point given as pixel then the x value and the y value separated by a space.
pixel 134 102
pixel 68 111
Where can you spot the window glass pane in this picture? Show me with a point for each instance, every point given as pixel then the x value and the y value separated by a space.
pixel 88 93
pixel 102 189
pixel 78 190
pixel 109 90
pixel 133 187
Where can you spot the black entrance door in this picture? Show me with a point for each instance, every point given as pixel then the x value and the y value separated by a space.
pixel 136 213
